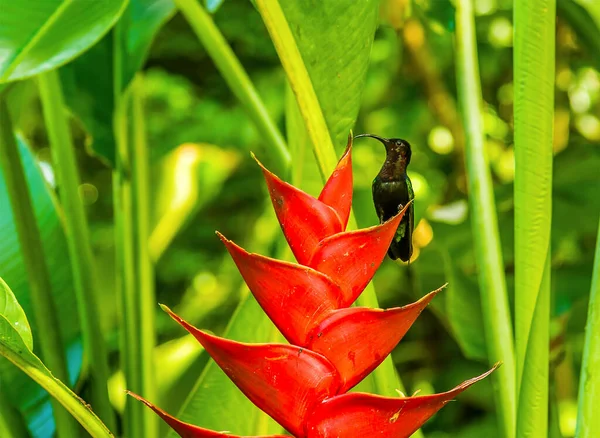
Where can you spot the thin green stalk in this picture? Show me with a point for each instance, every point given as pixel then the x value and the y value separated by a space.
pixel 492 282
pixel 134 269
pixel 236 77
pixel 78 239
pixel 145 300
pixel 385 377
pixel 534 41
pixel 588 420
pixel 44 309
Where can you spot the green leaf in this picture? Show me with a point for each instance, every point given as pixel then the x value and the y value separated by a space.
pixel 335 39
pixel 23 393
pixel 89 80
pixel 463 308
pixel 13 312
pixel 17 349
pixel 41 35
pixel 588 421
pixel 139 24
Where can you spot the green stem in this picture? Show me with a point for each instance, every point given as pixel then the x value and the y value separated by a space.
pixel 534 64
pixel 69 403
pixel 588 420
pixel 385 377
pixel 236 77
pixel 44 309
pixel 145 300
pixel 135 277
pixel 78 238
pixel 299 79
pixel 492 282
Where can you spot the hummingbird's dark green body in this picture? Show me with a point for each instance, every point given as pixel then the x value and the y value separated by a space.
pixel 392 190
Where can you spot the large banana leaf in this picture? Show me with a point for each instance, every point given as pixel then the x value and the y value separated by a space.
pixel 89 80
pixel 37 35
pixel 24 393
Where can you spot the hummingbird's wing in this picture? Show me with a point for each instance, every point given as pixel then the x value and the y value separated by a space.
pixel 379 206
pixel 405 247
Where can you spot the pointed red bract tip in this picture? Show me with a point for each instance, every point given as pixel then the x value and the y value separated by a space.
pixel 356 340
pixel 337 192
pixel 305 220
pixel 295 297
pixel 187 430
pixel 358 414
pixel 351 258
pixel 285 381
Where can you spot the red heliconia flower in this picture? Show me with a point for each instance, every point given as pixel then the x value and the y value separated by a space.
pixel 303 385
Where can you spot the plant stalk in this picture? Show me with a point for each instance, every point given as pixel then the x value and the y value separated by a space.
pixel 492 282
pixel 588 420
pixel 534 65
pixel 45 312
pixel 78 238
pixel 385 376
pixel 237 79
pixel 135 276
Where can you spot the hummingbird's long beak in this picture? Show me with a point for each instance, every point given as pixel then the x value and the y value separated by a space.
pixel 381 139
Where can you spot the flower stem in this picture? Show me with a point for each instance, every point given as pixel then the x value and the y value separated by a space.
pixel 492 282
pixel 44 309
pixel 78 239
pixel 237 79
pixel 385 377
pixel 588 420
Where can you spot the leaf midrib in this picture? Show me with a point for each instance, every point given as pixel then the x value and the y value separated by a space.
pixel 33 40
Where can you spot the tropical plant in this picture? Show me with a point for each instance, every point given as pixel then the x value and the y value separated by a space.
pixel 333 346
pixel 125 130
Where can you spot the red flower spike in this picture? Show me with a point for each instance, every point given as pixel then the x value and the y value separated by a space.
pixel 305 220
pixel 357 339
pixel 359 414
pixel 187 430
pixel 350 259
pixel 337 192
pixel 285 381
pixel 295 297
pixel 302 387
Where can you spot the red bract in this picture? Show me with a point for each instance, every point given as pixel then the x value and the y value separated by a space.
pixel 187 430
pixel 333 347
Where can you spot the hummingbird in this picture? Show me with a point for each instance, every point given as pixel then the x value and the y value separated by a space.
pixel 392 190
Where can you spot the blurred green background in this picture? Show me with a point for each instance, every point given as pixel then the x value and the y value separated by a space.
pixel 203 180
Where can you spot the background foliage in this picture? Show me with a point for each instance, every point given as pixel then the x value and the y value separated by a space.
pixel 202 180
